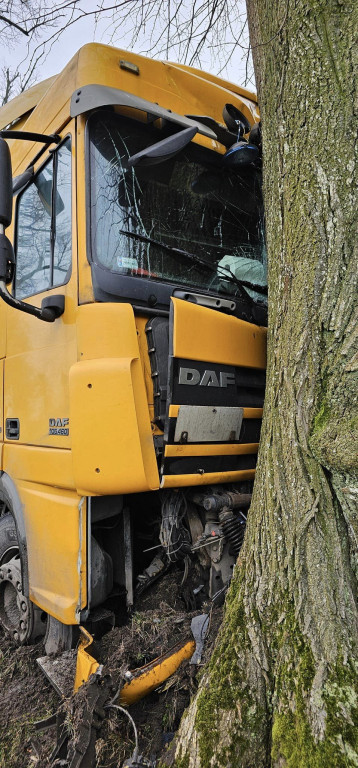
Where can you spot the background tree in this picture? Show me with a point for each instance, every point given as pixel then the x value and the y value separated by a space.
pixel 281 688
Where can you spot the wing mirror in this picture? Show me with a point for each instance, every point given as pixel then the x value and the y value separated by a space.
pixel 163 150
pixel 7 259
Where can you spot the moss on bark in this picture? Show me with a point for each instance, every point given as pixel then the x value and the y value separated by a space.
pixel 293 743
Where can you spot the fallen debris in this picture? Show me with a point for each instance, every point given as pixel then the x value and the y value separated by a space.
pixel 159 622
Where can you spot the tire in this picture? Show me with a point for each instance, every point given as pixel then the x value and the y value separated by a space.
pixel 19 617
pixel 58 637
pixel 8 538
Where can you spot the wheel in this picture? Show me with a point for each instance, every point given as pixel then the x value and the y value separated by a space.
pixel 20 618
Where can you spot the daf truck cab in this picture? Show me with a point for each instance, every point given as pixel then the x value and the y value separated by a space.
pixel 133 307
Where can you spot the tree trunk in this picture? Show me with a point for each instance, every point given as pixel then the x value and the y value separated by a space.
pixel 281 687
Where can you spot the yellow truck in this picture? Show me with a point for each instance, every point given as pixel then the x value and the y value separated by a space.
pixel 133 307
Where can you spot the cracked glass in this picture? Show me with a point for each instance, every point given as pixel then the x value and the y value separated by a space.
pixel 187 220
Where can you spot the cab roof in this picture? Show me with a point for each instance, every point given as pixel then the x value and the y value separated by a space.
pixel 45 108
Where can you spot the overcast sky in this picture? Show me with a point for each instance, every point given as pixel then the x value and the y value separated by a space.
pixel 86 30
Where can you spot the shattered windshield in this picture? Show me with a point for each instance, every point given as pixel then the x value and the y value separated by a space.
pixel 186 220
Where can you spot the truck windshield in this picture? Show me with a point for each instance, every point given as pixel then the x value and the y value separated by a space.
pixel 144 218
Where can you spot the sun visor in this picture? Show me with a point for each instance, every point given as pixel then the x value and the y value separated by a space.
pixel 94 96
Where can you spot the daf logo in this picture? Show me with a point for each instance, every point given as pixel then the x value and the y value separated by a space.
pixel 208 379
pixel 59 427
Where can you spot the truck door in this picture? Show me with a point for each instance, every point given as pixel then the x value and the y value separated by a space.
pixel 37 442
pixel 39 354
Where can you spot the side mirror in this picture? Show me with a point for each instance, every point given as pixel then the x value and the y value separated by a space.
pixel 5 184
pixel 162 150
pixel 7 259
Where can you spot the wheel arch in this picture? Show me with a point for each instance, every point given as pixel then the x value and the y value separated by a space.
pixel 9 494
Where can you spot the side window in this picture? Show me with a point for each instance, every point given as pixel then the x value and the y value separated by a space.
pixel 33 249
pixel 63 232
pixel 43 232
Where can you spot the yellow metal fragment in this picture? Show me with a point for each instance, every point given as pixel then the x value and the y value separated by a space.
pixel 86 665
pixel 147 678
pixel 144 679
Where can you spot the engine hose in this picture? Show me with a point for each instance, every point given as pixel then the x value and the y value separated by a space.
pixel 233 529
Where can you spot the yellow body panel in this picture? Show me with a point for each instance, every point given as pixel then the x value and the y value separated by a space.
pixel 85 287
pixel 232 87
pixel 106 330
pixel 112 440
pixel 201 84
pixel 3 311
pixel 1 405
pixel 48 466
pixel 110 450
pixel 209 478
pixel 55 523
pixel 210 450
pixel 24 103
pixel 218 338
pixel 36 388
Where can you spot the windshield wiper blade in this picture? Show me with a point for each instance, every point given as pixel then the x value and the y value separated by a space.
pixel 171 248
pixel 246 283
pixel 242 284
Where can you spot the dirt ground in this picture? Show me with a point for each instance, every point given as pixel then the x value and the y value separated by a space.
pixel 159 622
pixel 25 696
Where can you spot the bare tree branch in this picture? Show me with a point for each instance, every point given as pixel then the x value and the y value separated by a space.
pixel 13 24
pixel 191 31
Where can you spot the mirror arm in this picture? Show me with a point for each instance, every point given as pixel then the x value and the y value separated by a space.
pixel 7 262
pixel 47 314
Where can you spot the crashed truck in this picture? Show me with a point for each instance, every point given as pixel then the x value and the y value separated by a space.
pixel 133 309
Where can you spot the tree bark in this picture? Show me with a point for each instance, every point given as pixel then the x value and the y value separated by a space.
pixel 281 688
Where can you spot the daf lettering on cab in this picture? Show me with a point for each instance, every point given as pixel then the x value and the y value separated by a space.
pixel 133 311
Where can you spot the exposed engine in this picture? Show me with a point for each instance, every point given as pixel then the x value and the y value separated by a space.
pixel 201 532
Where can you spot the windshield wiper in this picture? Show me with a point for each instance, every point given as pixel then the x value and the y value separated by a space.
pixel 246 283
pixel 171 248
pixel 198 260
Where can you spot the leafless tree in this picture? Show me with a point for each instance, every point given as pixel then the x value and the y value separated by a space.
pixel 183 30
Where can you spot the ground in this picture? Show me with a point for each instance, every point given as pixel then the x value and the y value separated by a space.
pixel 159 622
